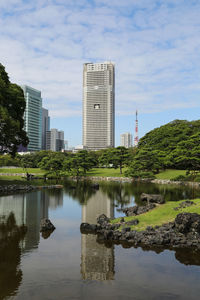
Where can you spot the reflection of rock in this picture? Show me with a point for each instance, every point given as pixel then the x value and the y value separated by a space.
pixel 153 198
pixel 188 256
pixel 46 225
pixel 46 234
pixel 10 275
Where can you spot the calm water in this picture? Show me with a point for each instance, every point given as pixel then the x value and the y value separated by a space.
pixel 68 265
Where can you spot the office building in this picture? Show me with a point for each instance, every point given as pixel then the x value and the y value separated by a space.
pixel 45 127
pixel 33 118
pixel 55 140
pixel 98 105
pixel 126 140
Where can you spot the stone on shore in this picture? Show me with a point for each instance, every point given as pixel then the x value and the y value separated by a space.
pixel 152 198
pixel 184 231
pixel 138 210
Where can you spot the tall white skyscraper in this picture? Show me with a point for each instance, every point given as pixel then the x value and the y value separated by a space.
pixel 33 117
pixel 126 140
pixel 98 105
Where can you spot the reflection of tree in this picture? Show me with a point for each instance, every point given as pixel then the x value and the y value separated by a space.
pixel 10 252
pixel 80 190
pixel 121 193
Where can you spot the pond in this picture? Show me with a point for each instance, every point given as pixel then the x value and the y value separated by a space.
pixel 68 265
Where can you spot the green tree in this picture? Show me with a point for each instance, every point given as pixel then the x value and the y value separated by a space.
pixel 78 164
pixel 116 157
pixel 12 106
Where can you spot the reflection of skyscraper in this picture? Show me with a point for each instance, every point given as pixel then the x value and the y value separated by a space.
pixel 28 209
pixel 55 198
pixel 97 261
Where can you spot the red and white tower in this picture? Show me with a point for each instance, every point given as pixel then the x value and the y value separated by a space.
pixel 136 131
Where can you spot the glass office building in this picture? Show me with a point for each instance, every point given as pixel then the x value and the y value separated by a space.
pixel 33 118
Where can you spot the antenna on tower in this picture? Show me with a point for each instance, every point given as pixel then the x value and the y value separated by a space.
pixel 136 130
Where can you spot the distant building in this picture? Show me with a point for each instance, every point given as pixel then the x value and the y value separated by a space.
pixel 33 118
pixel 55 140
pixel 98 105
pixel 79 148
pixel 65 145
pixel 126 140
pixel 45 127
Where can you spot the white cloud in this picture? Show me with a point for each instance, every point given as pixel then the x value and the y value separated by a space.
pixel 155 47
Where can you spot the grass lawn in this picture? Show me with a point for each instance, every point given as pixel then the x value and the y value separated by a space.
pixel 161 214
pixel 106 172
pixel 170 174
pixel 21 170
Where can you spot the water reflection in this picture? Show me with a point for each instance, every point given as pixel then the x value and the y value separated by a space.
pixel 16 213
pixel 126 193
pixel 10 255
pixel 97 261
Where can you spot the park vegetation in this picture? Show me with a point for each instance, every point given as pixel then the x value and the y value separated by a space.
pixel 175 145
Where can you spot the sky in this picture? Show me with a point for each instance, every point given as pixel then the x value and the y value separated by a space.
pixel 155 45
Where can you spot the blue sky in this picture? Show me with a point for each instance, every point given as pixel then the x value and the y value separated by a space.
pixel 154 44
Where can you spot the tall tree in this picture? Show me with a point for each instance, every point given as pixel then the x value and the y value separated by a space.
pixel 117 157
pixel 12 107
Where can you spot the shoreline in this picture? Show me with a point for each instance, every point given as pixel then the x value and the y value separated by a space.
pixel 17 188
pixel 145 180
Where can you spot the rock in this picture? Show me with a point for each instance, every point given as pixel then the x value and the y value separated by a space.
pixel 187 222
pixel 184 204
pixel 102 219
pixel 153 198
pixel 132 222
pixel 46 225
pixel 88 228
pixel 138 210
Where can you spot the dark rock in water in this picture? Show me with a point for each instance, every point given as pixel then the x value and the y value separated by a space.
pixel 184 204
pixel 88 228
pixel 153 198
pixel 138 210
pixel 46 225
pixel 187 222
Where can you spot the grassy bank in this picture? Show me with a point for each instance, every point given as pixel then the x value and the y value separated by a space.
pixel 21 170
pixel 104 172
pixel 97 172
pixel 170 174
pixel 161 214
